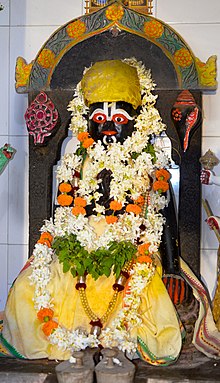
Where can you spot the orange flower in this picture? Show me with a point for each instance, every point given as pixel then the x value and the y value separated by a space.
pixel 82 136
pixel 140 200
pixel 46 235
pixel 111 219
pixel 79 201
pixel 44 242
pixel 144 259
pixel 153 29
pixel 144 249
pixel 46 58
pixel 49 326
pixel 45 314
pixel 183 57
pixel 114 205
pixel 162 175
pixel 114 12
pixel 65 188
pixel 87 142
pixel 64 199
pixel 76 210
pixel 133 208
pixel 76 29
pixel 160 186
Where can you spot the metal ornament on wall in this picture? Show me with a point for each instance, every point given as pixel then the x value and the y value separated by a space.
pixel 41 118
pixel 186 117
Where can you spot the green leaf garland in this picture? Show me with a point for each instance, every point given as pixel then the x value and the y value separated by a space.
pixel 79 261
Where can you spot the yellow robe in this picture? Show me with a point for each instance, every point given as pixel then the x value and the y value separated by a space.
pixel 159 331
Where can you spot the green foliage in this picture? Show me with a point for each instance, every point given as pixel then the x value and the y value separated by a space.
pixel 148 149
pixel 81 151
pixel 78 260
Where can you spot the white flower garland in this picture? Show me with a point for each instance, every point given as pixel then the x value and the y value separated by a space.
pixel 132 177
pixel 127 319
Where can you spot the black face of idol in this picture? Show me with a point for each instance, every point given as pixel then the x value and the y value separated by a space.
pixel 111 122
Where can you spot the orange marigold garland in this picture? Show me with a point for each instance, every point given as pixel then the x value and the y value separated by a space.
pixel 49 327
pixel 140 200
pixel 45 239
pixel 144 259
pixel 76 210
pixel 162 175
pixel 111 219
pixel 143 249
pixel 79 206
pixel 114 205
pixel 64 199
pixel 85 139
pixel 82 136
pixel 88 142
pixel 133 208
pixel 160 186
pixel 79 201
pixel 45 314
pixel 65 187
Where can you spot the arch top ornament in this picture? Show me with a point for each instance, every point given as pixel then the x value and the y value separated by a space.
pixel 191 73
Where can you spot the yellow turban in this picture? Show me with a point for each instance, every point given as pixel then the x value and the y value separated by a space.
pixel 111 80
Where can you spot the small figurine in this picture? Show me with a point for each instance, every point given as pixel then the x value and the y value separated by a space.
pixel 6 154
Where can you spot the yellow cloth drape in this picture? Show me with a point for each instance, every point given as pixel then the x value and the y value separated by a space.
pixel 159 329
pixel 111 80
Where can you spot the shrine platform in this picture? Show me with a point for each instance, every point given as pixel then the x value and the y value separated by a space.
pixel 192 366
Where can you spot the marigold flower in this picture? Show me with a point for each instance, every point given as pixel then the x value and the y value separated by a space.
pixel 114 205
pixel 46 235
pixel 162 175
pixel 144 259
pixel 183 58
pixel 79 201
pixel 64 199
pixel 111 219
pixel 133 208
pixel 76 210
pixel 144 249
pixel 46 58
pixel 87 142
pixel 76 29
pixel 140 200
pixel 45 314
pixel 160 186
pixel 44 241
pixel 153 29
pixel 83 136
pixel 65 188
pixel 114 12
pixel 49 326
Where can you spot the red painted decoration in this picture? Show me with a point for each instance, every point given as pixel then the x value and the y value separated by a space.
pixel 41 118
pixel 186 117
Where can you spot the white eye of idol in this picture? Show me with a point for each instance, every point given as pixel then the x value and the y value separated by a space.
pixel 110 113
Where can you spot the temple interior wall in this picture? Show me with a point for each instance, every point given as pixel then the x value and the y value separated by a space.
pixel 24 26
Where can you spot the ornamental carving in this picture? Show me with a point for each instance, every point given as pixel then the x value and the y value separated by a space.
pixel 41 118
pixel 186 117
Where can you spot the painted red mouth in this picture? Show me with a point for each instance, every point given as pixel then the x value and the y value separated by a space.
pixel 109 132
